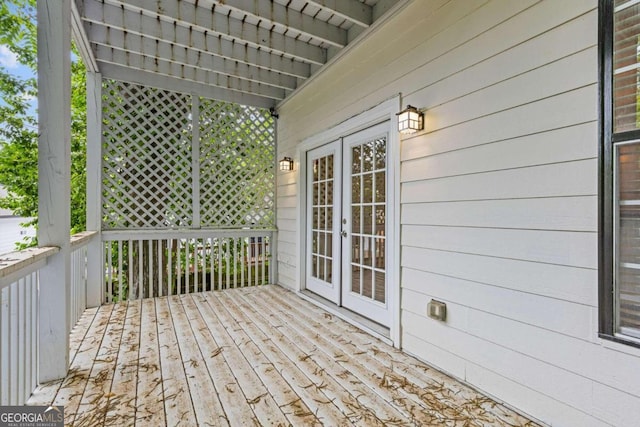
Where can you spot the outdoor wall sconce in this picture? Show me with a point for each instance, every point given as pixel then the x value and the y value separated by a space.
pixel 286 164
pixel 410 120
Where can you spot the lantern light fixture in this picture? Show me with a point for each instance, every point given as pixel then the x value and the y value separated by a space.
pixel 286 164
pixel 410 120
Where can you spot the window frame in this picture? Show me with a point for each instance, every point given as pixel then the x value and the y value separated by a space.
pixel 607 325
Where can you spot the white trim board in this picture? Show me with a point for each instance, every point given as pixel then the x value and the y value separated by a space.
pixel 384 111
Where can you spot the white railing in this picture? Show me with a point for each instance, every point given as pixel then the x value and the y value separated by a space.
pixel 79 274
pixel 19 281
pixel 147 264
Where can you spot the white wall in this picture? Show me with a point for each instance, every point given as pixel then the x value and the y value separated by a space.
pixel 499 197
pixel 11 232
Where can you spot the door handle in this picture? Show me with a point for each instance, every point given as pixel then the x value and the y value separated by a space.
pixel 343 233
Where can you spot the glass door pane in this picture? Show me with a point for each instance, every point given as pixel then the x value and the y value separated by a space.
pixel 368 188
pixel 323 221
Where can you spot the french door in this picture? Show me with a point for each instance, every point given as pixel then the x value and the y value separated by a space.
pixel 346 227
pixel 323 220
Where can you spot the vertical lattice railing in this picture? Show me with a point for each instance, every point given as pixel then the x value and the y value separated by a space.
pixel 196 174
pixel 153 264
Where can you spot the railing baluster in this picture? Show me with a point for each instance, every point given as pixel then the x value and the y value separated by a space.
pixel 34 331
pixel 243 261
pixel 26 333
pixel 120 269
pixel 13 342
pixel 170 268
pixel 109 272
pixel 234 261
pixel 204 264
pixel 250 261
pixel 21 344
pixel 212 274
pixel 4 355
pixel 130 268
pixel 149 292
pixel 195 265
pixel 227 255
pixel 263 259
pixel 160 264
pixel 187 266
pixel 139 290
pixel 179 264
pixel 219 258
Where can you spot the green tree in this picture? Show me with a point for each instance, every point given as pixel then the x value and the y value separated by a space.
pixel 18 125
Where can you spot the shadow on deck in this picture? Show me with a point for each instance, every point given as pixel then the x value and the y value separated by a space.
pixel 252 356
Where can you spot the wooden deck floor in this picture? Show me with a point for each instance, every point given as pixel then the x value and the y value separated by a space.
pixel 254 356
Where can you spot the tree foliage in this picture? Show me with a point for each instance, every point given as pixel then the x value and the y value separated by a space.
pixel 18 124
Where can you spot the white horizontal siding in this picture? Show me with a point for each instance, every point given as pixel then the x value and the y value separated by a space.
pixel 550 280
pixel 498 197
pixel 10 233
pixel 549 213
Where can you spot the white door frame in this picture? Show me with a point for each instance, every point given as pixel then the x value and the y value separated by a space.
pixel 386 111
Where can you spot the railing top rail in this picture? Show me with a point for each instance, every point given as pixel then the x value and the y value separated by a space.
pixel 82 239
pixel 182 234
pixel 13 263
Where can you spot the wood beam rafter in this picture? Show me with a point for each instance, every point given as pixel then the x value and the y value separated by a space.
pixel 136 44
pixel 181 13
pixel 289 19
pixel 171 69
pixel 147 78
pixel 351 10
pixel 196 40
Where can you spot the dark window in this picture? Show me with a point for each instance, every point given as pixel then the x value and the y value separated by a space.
pixel 620 171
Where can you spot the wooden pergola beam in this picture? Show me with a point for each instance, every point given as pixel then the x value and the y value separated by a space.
pixel 200 41
pixel 351 10
pixel 148 78
pixel 289 19
pixel 180 71
pixel 195 18
pixel 134 44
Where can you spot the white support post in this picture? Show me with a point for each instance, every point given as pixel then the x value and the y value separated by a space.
pixel 95 268
pixel 54 185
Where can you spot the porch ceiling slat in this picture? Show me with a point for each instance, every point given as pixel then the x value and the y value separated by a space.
pixel 136 44
pixel 123 73
pixel 122 14
pixel 289 19
pixel 157 31
pixel 182 70
pixel 352 10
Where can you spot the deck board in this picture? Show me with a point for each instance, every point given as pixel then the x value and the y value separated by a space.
pixel 250 356
pixel 285 397
pixel 178 407
pixel 150 398
pixel 205 395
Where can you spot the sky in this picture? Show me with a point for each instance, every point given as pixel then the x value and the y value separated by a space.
pixel 7 58
pixel 9 61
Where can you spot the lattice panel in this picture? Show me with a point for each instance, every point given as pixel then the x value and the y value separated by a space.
pixel 147 173
pixel 237 152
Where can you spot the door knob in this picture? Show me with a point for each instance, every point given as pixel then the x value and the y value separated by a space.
pixel 344 233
